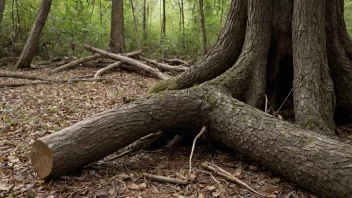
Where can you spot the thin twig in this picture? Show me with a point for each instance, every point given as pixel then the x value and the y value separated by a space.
pixel 222 173
pixel 194 144
pixel 284 101
pixel 165 179
pixel 266 104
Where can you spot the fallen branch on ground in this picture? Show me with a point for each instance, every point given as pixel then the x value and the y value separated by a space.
pixel 165 179
pixel 21 76
pixel 163 66
pixel 8 85
pixel 76 62
pixel 154 72
pixel 226 175
pixel 102 71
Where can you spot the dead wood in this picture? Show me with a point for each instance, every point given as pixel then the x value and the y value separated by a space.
pixel 228 176
pixel 104 70
pixel 193 146
pixel 21 76
pixel 49 81
pixel 165 179
pixel 175 61
pixel 75 63
pixel 154 72
pixel 163 66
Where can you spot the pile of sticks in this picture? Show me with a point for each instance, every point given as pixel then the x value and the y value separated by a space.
pixel 134 61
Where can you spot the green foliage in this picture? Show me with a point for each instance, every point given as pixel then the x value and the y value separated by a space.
pixel 348 17
pixel 73 23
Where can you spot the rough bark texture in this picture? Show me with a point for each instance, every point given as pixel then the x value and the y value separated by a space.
pixel 313 161
pixel 30 49
pixel 246 79
pixel 228 46
pixel 313 91
pixel 94 138
pixel 117 35
pixel 339 57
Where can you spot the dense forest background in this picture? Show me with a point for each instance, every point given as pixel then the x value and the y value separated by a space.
pixel 72 23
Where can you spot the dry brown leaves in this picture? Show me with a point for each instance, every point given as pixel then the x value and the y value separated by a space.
pixel 31 112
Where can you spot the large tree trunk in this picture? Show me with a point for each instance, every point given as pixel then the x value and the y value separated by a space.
pixel 263 48
pixel 30 49
pixel 117 35
pixel 313 91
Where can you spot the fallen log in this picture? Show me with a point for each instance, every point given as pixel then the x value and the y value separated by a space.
pixel 314 161
pixel 175 60
pixel 163 66
pixel 154 72
pixel 75 63
pixel 12 85
pixel 104 70
pixel 20 76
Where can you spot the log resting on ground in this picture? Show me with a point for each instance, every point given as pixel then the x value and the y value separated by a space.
pixel 314 161
pixel 154 72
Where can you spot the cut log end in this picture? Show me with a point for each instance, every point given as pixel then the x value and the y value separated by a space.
pixel 41 158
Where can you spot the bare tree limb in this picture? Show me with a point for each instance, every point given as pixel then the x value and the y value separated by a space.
pixel 154 72
pixel 163 66
pixel 165 179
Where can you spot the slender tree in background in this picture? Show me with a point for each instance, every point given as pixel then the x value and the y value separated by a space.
pixel 30 49
pixel 117 36
pixel 263 48
pixel 144 25
pixel 2 8
pixel 163 29
pixel 202 22
pixel 182 23
pixel 135 26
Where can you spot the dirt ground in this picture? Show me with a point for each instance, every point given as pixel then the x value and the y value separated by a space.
pixel 30 112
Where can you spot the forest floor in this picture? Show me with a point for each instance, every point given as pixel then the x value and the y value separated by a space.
pixel 30 112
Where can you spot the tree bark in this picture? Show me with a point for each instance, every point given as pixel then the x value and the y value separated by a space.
pixel 202 22
pixel 313 91
pixel 30 49
pixel 117 35
pixel 340 59
pixel 228 46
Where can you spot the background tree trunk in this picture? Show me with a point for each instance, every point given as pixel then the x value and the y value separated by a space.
pixel 145 26
pixel 117 35
pixel 2 8
pixel 30 49
pixel 202 22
